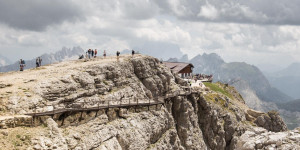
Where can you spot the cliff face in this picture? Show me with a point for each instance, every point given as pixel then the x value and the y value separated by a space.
pixel 202 119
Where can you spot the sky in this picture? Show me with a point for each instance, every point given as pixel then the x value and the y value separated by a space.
pixel 264 32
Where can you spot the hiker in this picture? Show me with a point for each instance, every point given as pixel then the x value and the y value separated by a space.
pixel 92 53
pixel 89 53
pixel 104 53
pixel 118 54
pixel 37 62
pixel 40 61
pixel 22 64
pixel 132 52
pixel 96 53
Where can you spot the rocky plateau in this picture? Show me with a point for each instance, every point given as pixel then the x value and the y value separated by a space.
pixel 215 117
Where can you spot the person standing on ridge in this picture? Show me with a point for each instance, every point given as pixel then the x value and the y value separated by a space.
pixel 132 52
pixel 96 53
pixel 89 53
pixel 118 54
pixel 22 64
pixel 92 53
pixel 104 53
pixel 37 62
pixel 40 61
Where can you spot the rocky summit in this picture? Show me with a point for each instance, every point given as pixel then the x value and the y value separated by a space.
pixel 134 103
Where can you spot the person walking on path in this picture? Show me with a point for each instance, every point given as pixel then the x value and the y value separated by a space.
pixel 132 52
pixel 104 53
pixel 118 54
pixel 96 53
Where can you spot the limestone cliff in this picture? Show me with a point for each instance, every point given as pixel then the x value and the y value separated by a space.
pixel 215 117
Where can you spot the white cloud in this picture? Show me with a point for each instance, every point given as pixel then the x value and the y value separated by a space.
pixel 208 11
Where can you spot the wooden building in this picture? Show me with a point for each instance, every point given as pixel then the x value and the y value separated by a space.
pixel 182 69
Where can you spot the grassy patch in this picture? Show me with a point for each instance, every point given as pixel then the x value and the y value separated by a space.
pixel 215 87
pixel 216 99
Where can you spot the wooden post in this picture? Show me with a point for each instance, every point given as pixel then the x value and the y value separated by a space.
pixel 137 103
pixel 135 106
pixel 64 115
pixel 120 104
pixel 34 118
pixel 83 104
pixel 129 101
pixel 97 109
pixel 80 116
pixel 149 105
pixel 156 103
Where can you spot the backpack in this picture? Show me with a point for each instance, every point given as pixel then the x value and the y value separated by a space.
pixel 23 62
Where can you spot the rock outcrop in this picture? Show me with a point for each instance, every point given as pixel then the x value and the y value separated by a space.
pixel 259 138
pixel 202 119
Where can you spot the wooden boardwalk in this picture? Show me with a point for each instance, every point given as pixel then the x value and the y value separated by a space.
pixel 98 106
pixel 106 104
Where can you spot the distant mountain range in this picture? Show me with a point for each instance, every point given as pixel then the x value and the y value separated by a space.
pixel 237 71
pixel 4 61
pixel 287 80
pixel 63 54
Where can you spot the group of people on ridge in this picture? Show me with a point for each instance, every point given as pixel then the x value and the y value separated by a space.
pixel 90 53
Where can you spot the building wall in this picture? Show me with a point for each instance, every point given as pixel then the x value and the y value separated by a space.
pixel 187 71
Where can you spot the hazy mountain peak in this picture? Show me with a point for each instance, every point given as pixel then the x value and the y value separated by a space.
pixel 184 58
pixel 292 70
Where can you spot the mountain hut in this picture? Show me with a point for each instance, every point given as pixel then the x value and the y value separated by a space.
pixel 182 69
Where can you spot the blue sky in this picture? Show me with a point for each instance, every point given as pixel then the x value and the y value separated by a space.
pixel 264 33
